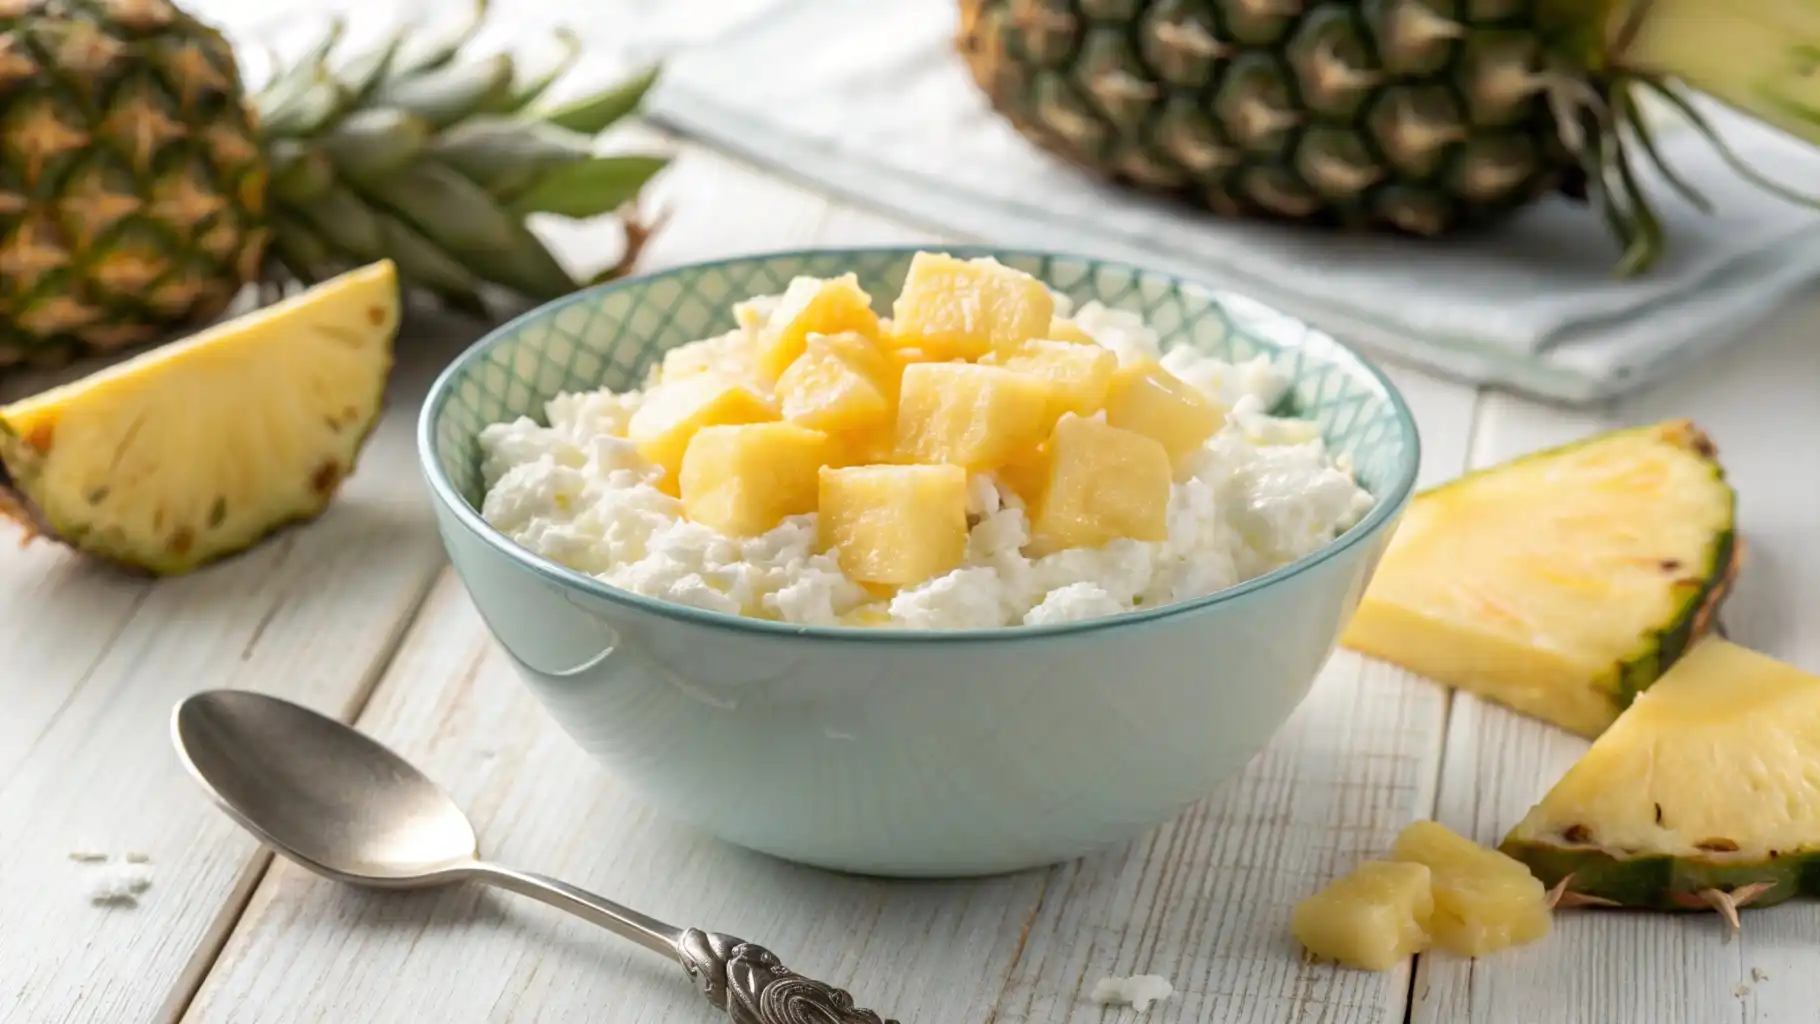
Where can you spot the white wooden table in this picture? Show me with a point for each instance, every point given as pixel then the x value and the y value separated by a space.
pixel 358 615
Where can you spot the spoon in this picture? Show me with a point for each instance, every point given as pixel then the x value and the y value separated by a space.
pixel 338 802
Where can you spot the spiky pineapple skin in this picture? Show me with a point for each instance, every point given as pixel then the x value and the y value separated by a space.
pixel 132 187
pixel 1664 883
pixel 1403 115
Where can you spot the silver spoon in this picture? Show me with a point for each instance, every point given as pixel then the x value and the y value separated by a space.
pixel 341 804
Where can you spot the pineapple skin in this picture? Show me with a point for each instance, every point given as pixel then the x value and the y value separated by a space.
pixel 1592 708
pixel 122 221
pixel 1389 116
pixel 1669 871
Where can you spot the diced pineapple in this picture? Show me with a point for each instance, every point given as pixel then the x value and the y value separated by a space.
pixel 667 421
pixel 1483 900
pixel 813 306
pixel 1081 374
pixel 1100 483
pixel 743 480
pixel 1063 329
pixel 730 356
pixel 894 524
pixel 1158 404
pixel 963 414
pixel 966 308
pixel 1371 919
pixel 836 385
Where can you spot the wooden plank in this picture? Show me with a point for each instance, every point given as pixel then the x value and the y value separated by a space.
pixel 98 661
pixel 1759 406
pixel 1204 899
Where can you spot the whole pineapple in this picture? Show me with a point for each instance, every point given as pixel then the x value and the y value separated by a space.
pixel 141 186
pixel 1416 116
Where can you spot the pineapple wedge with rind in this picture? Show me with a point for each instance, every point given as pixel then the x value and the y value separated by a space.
pixel 1372 919
pixel 1563 583
pixel 1484 901
pixel 199 449
pixel 1704 794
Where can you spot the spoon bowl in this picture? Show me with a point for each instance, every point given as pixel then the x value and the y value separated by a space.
pixel 331 797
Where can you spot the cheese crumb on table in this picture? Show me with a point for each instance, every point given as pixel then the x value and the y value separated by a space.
pixel 119 884
pixel 1138 991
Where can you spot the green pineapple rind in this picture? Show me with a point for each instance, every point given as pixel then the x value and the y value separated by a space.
pixel 1664 883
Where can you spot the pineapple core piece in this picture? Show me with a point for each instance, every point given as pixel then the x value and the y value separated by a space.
pixel 965 308
pixel 1371 919
pixel 895 525
pixel 813 306
pixel 198 449
pixel 977 417
pixel 1080 374
pixel 671 414
pixel 1484 901
pixel 837 385
pixel 743 480
pixel 1158 404
pixel 1098 483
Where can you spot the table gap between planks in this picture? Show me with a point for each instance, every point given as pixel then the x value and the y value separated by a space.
pixel 356 615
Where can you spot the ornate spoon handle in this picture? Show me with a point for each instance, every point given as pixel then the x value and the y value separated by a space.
pixel 749 983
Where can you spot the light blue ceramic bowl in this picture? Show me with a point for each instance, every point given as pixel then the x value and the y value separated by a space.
pixel 896 752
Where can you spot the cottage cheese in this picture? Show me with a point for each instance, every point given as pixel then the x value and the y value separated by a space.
pixel 1261 493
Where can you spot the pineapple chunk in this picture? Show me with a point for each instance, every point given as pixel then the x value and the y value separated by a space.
pixel 1483 900
pixel 1158 404
pixel 667 421
pixel 968 415
pixel 1373 918
pixel 966 308
pixel 1100 483
pixel 1562 583
pixel 1063 329
pixel 743 480
pixel 196 450
pixel 837 385
pixel 1081 374
pixel 813 306
pixel 1703 794
pixel 895 525
pixel 730 357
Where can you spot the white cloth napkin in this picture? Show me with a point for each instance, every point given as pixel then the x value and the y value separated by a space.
pixel 869 100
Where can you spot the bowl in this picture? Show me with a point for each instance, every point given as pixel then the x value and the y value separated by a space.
pixel 895 752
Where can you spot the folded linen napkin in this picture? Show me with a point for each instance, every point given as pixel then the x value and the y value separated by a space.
pixel 869 100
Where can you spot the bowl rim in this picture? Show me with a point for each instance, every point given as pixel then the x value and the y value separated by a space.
pixel 1383 512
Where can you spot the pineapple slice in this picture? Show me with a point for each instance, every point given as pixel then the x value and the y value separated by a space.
pixel 813 306
pixel 1156 403
pixel 670 415
pixel 964 414
pixel 743 480
pixel 1098 484
pixel 1563 583
pixel 1483 900
pixel 965 308
pixel 197 450
pixel 1373 918
pixel 1703 794
pixel 895 525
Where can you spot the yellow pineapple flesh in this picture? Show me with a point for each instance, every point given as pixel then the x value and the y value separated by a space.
pixel 1484 901
pixel 1563 583
pixel 1372 919
pixel 199 449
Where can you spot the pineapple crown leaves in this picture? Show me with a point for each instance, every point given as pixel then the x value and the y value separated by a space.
pixel 1604 124
pixel 412 152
